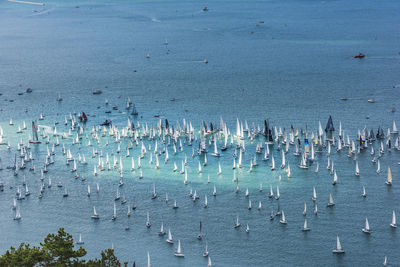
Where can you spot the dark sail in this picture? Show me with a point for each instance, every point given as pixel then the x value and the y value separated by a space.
pixel 329 128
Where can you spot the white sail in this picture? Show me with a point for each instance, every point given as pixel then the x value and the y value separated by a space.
pixel 338 245
pixel 393 224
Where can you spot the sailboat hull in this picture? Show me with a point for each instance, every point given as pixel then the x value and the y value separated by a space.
pixel 366 231
pixel 338 251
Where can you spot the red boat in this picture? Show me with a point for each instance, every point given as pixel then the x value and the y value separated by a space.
pixel 360 55
pixel 83 117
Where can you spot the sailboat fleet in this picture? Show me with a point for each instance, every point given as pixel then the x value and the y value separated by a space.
pixel 164 142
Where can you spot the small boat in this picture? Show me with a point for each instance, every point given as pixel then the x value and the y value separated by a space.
pixel 65 193
pixel 357 172
pixel 335 178
pixel 114 217
pixel 278 195
pixel 200 236
pixel 271 192
pixel 339 249
pixel 330 203
pixel 97 92
pixel 148 224
pixel 360 55
pixel 371 100
pixel 95 215
pixel 148 259
pixel 283 218
pixel 272 216
pixel 161 232
pixel 175 206
pixel 80 241
pixel 305 228
pixel 169 239
pixel 205 253
pixel 154 195
pixel 366 230
pixel 393 224
pixel 17 216
pixel 364 194
pixel 314 197
pixel 178 252
pixel 389 177
pixel 237 223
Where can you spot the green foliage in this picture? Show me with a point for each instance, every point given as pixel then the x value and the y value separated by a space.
pixel 57 250
pixel 108 259
pixel 24 255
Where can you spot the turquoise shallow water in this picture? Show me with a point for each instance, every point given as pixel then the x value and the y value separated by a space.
pixel 292 69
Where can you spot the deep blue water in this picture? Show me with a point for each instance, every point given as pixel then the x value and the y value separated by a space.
pixel 291 69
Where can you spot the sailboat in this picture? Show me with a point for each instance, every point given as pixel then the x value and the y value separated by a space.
pixel 175 206
pixel 249 207
pixel 389 177
pixel 65 192
pixel 148 224
pixel 148 259
pixel 154 195
pixel 80 241
pixel 95 215
pixel 205 253
pixel 215 153
pixel 200 236
pixel 259 205
pixel 335 178
pixel 283 218
pixel 317 168
pixel 305 209
pixel 88 191
pixel 357 173
pixel 316 209
pixel 169 239
pixel 394 128
pixel 209 262
pixel 385 261
pixel 247 228
pixel 205 202
pixel 17 216
pixel 314 197
pixel 161 232
pixel 366 230
pixel 114 213
pixel 215 191
pixel 378 169
pixel 393 224
pixel 330 203
pixel 272 163
pixel 305 228
pixel 178 252
pixel 339 248
pixel 278 195
pixel 364 194
pixel 237 223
